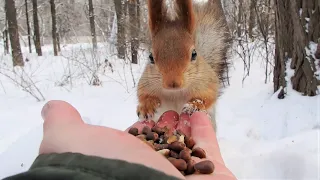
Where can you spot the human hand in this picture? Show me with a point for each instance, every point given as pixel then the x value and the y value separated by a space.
pixel 64 131
pixel 200 128
pixel 205 137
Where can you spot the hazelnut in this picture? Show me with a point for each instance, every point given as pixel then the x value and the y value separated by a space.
pixel 177 146
pixel 185 155
pixel 146 130
pixel 133 131
pixel 190 167
pixel 189 141
pixel 158 130
pixel 188 150
pixel 204 167
pixel 180 164
pixel 152 136
pixel 198 152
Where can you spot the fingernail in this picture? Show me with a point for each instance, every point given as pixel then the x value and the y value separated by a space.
pixel 45 110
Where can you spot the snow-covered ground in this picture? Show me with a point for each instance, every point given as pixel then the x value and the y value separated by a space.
pixel 260 136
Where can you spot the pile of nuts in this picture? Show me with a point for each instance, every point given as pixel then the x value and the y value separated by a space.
pixel 177 148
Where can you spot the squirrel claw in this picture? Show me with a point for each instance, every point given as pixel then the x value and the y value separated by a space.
pixel 146 109
pixel 145 115
pixel 194 106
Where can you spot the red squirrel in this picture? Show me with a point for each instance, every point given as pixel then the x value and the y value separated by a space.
pixel 188 61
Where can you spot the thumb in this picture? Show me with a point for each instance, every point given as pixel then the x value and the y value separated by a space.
pixel 204 135
pixel 59 113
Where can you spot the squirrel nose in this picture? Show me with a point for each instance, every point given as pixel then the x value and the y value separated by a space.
pixel 174 84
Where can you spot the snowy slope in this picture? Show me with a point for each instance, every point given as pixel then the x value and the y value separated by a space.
pixel 260 136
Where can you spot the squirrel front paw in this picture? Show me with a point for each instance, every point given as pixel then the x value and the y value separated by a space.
pixel 195 105
pixel 147 109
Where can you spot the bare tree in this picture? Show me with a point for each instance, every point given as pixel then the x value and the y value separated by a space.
pixel 240 18
pixel 317 54
pixel 54 27
pixel 121 41
pixel 263 21
pixel 292 41
pixel 92 25
pixel 14 33
pixel 5 35
pixel 36 28
pixel 252 17
pixel 134 18
pixel 28 25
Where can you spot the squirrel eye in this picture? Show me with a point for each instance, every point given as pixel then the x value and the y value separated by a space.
pixel 151 58
pixel 194 55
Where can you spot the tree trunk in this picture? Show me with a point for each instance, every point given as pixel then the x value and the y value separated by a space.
pixel 14 33
pixel 240 18
pixel 58 42
pixel 92 25
pixel 314 25
pixel 134 29
pixel 5 42
pixel 292 41
pixel 283 44
pixel 36 28
pixel 121 47
pixel 54 27
pixel 28 26
pixel 5 36
pixel 304 79
pixel 252 17
pixel 317 54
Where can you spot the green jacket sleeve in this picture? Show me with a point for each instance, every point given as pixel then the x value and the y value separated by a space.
pixel 74 166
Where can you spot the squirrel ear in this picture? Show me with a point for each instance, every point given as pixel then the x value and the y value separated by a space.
pixel 186 14
pixel 155 8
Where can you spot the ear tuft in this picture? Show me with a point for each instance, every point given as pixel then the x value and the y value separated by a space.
pixel 186 14
pixel 156 17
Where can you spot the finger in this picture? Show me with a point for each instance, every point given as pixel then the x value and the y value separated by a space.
pixel 214 176
pixel 218 167
pixel 203 133
pixel 59 113
pixel 169 120
pixel 184 125
pixel 139 125
pixel 221 172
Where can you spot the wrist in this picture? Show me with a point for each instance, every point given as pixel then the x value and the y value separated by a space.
pixel 94 166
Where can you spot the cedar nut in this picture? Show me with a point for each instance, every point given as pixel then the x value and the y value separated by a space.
pixel 204 167
pixel 177 148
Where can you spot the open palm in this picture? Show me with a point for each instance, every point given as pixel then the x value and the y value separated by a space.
pixel 202 132
pixel 64 131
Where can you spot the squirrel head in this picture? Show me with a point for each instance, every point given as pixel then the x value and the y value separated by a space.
pixel 173 46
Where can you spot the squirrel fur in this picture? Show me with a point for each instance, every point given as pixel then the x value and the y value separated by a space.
pixel 188 61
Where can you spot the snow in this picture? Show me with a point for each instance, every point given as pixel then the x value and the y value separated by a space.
pixel 312 51
pixel 261 137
